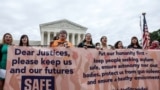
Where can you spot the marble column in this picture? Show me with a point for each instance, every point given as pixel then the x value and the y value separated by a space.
pixel 79 38
pixel 53 35
pixel 68 36
pixel 57 34
pixel 42 38
pixel 73 38
pixel 48 38
pixel 83 36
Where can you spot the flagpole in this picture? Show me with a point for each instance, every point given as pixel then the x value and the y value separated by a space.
pixel 143 30
pixel 146 37
pixel 143 13
pixel 140 24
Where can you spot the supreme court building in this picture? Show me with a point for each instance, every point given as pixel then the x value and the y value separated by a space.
pixel 75 32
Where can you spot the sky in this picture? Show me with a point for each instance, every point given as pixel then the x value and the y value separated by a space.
pixel 116 19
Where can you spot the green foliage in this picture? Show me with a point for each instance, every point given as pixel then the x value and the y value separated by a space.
pixel 155 35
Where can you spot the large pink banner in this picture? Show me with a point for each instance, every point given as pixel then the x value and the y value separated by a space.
pixel 37 68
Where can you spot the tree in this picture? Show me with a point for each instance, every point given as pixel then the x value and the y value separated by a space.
pixel 155 35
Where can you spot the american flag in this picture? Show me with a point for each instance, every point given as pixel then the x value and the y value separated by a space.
pixel 146 36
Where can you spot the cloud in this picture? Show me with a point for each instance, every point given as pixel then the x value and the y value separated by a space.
pixel 118 20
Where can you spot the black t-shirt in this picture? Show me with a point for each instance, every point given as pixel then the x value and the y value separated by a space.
pixel 131 46
pixel 81 45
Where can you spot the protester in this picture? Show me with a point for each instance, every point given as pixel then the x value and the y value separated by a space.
pixel 98 46
pixel 62 42
pixel 24 40
pixel 134 43
pixel 104 43
pixel 118 45
pixel 6 41
pixel 87 42
pixel 155 45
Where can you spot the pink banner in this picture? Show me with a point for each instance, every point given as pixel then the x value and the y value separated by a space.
pixel 36 68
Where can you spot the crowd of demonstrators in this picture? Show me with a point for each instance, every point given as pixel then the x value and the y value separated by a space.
pixel 6 41
pixel 60 40
pixel 87 42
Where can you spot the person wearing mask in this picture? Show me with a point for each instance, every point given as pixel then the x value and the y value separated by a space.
pixel 104 43
pixel 134 43
pixel 62 40
pixel 24 40
pixel 118 45
pixel 87 42
pixel 6 41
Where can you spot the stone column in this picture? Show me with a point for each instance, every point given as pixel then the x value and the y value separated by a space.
pixel 73 38
pixel 56 34
pixel 53 35
pixel 42 37
pixel 79 38
pixel 68 36
pixel 48 38
pixel 83 36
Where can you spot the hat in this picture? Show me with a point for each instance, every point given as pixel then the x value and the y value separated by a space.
pixel 63 31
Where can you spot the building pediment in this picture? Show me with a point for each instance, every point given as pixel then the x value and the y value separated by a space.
pixel 63 24
pixel 49 30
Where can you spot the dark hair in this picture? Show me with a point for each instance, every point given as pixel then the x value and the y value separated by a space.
pixel 137 43
pixel 97 43
pixel 102 38
pixel 112 47
pixel 4 38
pixel 85 39
pixel 116 44
pixel 63 31
pixel 23 36
pixel 55 38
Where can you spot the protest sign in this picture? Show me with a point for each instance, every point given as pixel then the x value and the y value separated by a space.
pixel 36 68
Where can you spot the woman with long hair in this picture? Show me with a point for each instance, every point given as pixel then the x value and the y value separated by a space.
pixel 118 45
pixel 134 43
pixel 87 42
pixel 104 44
pixel 24 40
pixel 7 40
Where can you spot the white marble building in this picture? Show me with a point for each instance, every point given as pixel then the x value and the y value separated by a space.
pixel 75 31
pixel 48 30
